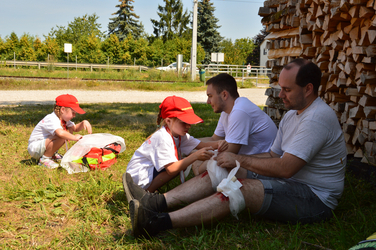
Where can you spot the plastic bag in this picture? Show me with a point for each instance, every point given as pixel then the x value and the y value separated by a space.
pixel 83 146
pixel 216 173
pixel 230 187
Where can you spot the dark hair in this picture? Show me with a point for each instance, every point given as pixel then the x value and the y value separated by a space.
pixel 308 73
pixel 226 82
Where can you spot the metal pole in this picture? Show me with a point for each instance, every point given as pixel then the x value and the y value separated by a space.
pixel 194 42
pixel 14 59
pixel 67 65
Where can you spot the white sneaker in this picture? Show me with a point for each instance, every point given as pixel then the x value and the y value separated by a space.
pixel 48 163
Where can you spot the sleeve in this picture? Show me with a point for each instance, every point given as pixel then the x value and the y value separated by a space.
pixel 277 144
pixel 219 130
pixel 164 153
pixel 188 143
pixel 310 137
pixel 51 125
pixel 239 128
pixel 70 124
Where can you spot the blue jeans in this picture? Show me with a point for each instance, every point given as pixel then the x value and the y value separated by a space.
pixel 290 201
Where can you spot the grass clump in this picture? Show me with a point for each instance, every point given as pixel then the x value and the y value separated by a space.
pixel 50 209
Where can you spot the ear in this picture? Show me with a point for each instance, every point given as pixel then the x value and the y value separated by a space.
pixel 309 89
pixel 225 94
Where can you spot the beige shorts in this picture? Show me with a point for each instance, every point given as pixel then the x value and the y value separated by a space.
pixel 37 148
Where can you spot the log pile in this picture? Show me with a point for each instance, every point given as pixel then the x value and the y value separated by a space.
pixel 340 37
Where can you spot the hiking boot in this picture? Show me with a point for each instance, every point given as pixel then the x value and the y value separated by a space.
pixel 145 222
pixel 152 201
pixel 48 163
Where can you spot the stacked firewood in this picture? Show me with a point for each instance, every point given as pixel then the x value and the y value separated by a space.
pixel 340 37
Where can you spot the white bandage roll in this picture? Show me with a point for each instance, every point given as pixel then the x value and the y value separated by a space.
pixel 230 187
pixel 216 173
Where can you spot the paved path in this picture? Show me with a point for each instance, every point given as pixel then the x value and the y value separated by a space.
pixel 22 97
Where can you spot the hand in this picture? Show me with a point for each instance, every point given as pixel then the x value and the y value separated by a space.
pixel 87 126
pixel 196 166
pixel 226 160
pixel 203 154
pixel 77 137
pixel 222 145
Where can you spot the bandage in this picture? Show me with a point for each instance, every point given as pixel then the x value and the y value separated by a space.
pixel 230 187
pixel 216 173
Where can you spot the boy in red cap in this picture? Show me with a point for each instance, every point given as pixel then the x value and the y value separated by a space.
pixel 158 160
pixel 54 129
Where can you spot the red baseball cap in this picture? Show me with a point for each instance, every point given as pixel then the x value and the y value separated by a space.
pixel 69 101
pixel 174 106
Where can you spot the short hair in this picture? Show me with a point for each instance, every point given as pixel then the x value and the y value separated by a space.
pixel 223 82
pixel 308 73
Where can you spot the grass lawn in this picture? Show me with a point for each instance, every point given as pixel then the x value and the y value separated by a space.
pixel 50 209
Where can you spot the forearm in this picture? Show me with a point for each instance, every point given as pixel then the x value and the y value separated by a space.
pixel 65 135
pixel 178 166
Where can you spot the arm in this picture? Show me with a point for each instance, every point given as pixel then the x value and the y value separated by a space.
pixel 175 167
pixel 61 133
pixel 214 137
pixel 267 164
pixel 81 126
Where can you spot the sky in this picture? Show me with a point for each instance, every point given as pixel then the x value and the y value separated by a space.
pixel 237 18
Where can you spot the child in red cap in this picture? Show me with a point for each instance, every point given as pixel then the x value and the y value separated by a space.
pixel 54 129
pixel 158 160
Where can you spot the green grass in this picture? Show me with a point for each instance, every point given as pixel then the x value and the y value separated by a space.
pixel 50 209
pixel 153 80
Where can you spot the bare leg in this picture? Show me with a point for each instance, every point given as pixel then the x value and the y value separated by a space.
pixel 53 145
pixel 159 181
pixel 216 206
pixel 195 189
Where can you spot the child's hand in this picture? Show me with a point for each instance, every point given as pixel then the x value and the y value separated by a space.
pixel 77 137
pixel 222 145
pixel 87 126
pixel 203 154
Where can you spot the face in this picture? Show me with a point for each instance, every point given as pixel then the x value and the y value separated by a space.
pixel 215 99
pixel 293 96
pixel 67 114
pixel 178 127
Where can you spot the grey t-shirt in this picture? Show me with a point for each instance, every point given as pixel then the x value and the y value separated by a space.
pixel 316 137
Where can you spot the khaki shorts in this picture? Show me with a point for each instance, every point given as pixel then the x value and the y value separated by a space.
pixel 37 148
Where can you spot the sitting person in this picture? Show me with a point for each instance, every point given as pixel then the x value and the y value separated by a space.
pixel 159 158
pixel 299 180
pixel 246 128
pixel 54 129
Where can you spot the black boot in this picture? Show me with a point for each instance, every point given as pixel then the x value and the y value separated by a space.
pixel 145 222
pixel 152 201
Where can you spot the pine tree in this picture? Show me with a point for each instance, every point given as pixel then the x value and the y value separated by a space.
pixel 173 21
pixel 126 22
pixel 254 57
pixel 207 29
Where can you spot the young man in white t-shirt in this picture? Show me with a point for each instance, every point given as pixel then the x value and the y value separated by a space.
pixel 299 180
pixel 246 128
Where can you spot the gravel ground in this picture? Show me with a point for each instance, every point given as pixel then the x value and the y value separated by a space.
pixel 23 97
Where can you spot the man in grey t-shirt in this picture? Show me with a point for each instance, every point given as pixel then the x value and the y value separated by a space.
pixel 299 180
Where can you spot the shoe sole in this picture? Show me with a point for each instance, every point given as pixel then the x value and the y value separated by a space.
pixel 126 189
pixel 134 205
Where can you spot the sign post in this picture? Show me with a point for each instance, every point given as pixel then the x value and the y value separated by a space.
pixel 67 49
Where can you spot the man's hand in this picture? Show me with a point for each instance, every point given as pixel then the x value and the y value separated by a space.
pixel 226 160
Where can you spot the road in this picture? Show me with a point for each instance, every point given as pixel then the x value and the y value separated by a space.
pixel 27 97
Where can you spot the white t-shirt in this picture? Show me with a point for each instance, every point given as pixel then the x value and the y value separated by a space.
pixel 156 153
pixel 316 137
pixel 247 125
pixel 46 127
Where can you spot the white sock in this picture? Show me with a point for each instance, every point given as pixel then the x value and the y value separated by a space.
pixel 45 157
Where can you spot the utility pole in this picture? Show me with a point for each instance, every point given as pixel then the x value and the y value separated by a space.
pixel 194 42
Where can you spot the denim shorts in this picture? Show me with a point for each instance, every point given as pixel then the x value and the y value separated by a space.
pixel 290 201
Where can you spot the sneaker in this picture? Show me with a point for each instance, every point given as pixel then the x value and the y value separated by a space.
pixel 145 222
pixel 48 163
pixel 57 157
pixel 152 201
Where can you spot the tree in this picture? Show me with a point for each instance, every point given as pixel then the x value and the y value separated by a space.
pixel 254 57
pixel 172 21
pixel 26 51
pixel 237 53
pixel 80 27
pixel 125 22
pixel 207 29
